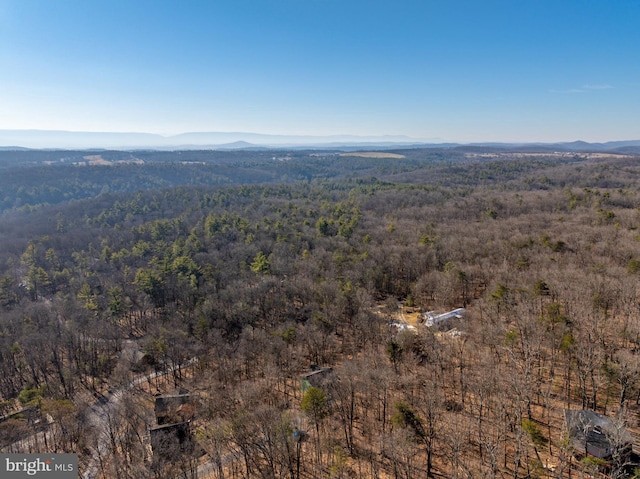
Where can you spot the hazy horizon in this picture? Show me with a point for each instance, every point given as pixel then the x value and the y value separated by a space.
pixel 460 71
pixel 47 139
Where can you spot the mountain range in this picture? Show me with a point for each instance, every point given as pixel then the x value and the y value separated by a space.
pixel 58 139
pixel 194 140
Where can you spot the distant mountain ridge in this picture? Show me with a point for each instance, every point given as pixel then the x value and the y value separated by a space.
pixel 59 139
pixel 194 140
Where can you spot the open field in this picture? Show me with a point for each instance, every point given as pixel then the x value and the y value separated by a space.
pixel 373 154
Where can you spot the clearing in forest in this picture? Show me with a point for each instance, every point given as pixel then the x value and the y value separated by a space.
pixel 373 154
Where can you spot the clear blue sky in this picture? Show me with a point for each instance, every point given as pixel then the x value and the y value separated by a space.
pixel 455 70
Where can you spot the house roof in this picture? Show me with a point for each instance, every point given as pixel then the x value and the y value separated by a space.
pixel 432 319
pixel 317 372
pixel 596 434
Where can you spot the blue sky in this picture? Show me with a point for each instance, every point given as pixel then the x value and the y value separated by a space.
pixel 450 70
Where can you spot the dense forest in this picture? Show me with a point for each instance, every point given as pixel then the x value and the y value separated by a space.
pixel 230 275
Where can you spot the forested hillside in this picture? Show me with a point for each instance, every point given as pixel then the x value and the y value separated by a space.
pixel 236 274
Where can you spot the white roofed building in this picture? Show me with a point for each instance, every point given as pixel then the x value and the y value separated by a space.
pixel 431 319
